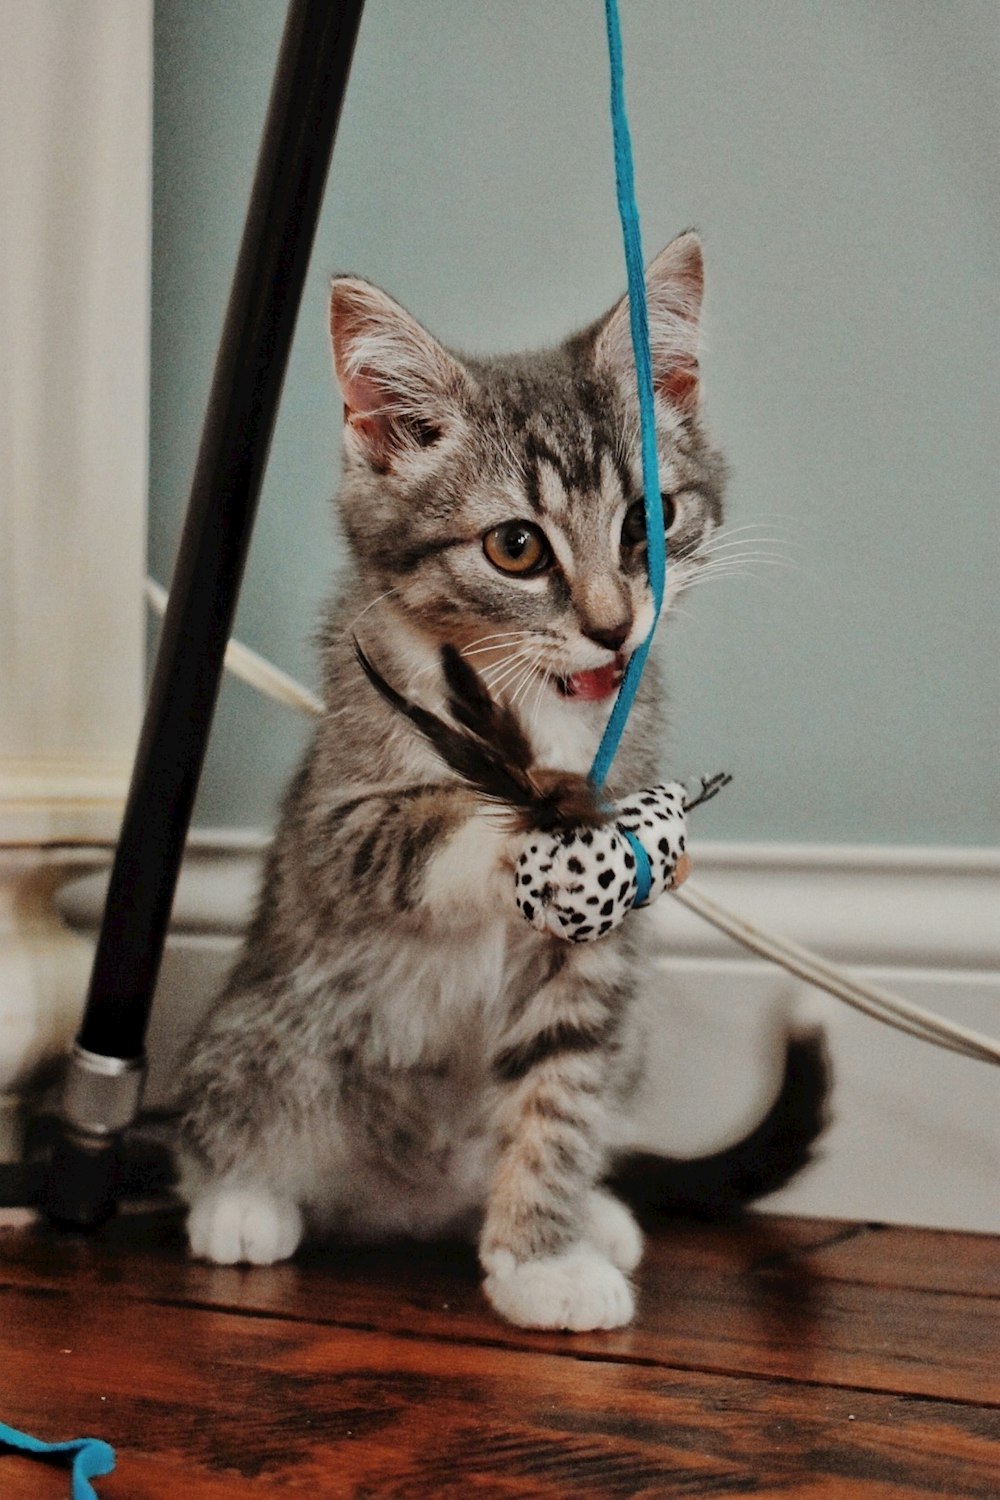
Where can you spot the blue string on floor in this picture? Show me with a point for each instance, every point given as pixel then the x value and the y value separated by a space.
pixel 90 1457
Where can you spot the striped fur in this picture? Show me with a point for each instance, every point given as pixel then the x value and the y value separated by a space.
pixel 396 1051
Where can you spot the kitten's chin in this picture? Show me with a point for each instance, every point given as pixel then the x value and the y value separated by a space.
pixel 594 685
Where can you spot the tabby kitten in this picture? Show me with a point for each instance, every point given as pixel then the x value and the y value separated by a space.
pixel 397 1052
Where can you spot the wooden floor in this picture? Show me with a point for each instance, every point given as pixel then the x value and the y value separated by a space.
pixel 776 1357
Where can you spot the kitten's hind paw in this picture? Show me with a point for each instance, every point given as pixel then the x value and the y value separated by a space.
pixel 243 1225
pixel 576 1290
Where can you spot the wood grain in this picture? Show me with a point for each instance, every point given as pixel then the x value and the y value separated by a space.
pixel 383 1373
pixel 921 1259
pixel 737 1299
pixel 267 1403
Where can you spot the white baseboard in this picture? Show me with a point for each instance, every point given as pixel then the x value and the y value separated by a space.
pixel 906 907
pixel 915 1136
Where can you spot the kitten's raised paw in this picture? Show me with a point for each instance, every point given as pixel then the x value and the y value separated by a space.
pixel 577 1290
pixel 610 1227
pixel 248 1225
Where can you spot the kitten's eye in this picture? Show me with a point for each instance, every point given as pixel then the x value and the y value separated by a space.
pixel 517 547
pixel 634 525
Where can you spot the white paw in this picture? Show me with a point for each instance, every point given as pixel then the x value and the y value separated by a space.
pixel 609 1226
pixel 579 1289
pixel 243 1224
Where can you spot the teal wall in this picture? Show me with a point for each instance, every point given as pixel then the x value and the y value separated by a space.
pixel 841 163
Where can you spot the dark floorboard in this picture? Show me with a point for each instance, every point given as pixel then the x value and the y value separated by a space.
pixel 769 1357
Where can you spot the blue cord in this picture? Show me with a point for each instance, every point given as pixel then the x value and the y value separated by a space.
pixel 656 549
pixel 91 1457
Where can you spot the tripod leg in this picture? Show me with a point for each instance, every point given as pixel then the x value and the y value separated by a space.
pixel 106 1067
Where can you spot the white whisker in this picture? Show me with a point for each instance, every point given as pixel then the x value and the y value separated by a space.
pixel 525 686
pixel 744 545
pixel 713 572
pixel 498 635
pixel 515 653
pixel 769 559
pixel 497 644
pixel 513 681
pixel 496 677
pixel 543 683
pixel 515 687
pixel 362 613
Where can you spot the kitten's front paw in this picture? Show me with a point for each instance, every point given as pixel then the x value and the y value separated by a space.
pixel 233 1225
pixel 578 1290
pixel 612 1228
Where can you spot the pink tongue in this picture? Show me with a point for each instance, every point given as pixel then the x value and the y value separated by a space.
pixel 600 682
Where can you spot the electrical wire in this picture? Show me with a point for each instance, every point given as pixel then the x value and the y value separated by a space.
pixel 872 1000
pixel 249 667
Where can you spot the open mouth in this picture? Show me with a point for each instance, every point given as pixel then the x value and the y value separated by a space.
pixel 592 686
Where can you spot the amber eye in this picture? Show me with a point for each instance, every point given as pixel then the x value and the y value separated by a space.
pixel 634 524
pixel 517 547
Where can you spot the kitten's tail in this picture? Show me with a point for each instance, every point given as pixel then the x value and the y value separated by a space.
pixel 722 1184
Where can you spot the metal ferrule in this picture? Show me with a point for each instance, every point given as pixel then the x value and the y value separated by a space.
pixel 101 1094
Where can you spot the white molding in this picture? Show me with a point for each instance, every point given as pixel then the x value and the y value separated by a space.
pixel 48 800
pixel 912 907
pixel 920 906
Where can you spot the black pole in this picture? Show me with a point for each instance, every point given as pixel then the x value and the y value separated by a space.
pixel 106 1069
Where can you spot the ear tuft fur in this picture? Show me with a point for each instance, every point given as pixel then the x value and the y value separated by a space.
pixel 675 283
pixel 399 384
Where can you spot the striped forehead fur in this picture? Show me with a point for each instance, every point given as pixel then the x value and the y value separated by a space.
pixel 549 439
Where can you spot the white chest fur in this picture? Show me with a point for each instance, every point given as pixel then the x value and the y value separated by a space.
pixel 565 734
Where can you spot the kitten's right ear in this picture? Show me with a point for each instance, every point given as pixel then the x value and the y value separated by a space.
pixel 400 386
pixel 674 285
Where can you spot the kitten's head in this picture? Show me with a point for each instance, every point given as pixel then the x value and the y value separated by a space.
pixel 501 500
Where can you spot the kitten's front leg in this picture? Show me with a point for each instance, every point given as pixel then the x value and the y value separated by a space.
pixel 554 1247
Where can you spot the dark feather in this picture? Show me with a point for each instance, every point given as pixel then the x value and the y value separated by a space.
pixel 470 703
pixel 488 748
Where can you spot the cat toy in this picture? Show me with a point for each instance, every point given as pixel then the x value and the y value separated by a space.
pixel 571 887
pixel 584 866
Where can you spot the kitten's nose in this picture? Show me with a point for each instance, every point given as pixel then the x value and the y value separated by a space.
pixel 612 636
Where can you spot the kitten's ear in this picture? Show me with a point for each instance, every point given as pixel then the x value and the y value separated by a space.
pixel 399 385
pixel 674 285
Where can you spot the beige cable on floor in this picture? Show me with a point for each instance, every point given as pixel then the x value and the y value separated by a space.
pixel 880 1004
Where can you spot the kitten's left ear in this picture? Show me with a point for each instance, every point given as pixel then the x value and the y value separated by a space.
pixel 674 285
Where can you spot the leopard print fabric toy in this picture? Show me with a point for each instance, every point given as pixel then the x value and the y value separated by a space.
pixel 579 883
